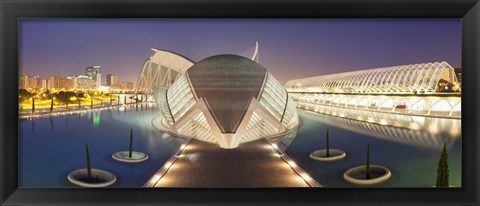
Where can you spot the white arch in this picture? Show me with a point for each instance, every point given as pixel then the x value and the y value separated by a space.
pixel 162 69
pixel 397 79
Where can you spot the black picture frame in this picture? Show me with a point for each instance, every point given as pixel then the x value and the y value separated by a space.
pixel 13 10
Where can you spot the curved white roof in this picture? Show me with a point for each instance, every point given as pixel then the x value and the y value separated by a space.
pixel 162 69
pixel 396 79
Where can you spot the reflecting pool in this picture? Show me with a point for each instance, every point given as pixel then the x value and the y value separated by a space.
pixel 51 147
pixel 410 152
pixel 410 146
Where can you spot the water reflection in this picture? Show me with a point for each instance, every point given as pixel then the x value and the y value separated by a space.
pixel 425 132
pixel 96 118
pixel 51 123
pixel 43 167
pixel 33 125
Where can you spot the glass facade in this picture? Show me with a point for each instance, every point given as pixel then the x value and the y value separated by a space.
pixel 257 127
pixel 180 98
pixel 290 117
pixel 274 97
pixel 198 128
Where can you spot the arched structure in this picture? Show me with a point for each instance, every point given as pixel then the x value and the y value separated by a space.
pixel 162 69
pixel 255 53
pixel 226 99
pixel 430 89
pixel 414 78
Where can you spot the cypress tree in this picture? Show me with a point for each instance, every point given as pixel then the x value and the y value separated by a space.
pixel 111 100
pixel 328 145
pixel 118 100
pixel 89 168
pixel 442 170
pixel 131 143
pixel 125 99
pixel 91 103
pixel 368 176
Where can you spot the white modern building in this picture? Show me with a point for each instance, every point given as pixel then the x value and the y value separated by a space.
pixel 429 89
pixel 223 99
pixel 161 69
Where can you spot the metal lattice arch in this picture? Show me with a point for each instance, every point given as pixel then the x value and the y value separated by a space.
pixel 413 78
pixel 162 69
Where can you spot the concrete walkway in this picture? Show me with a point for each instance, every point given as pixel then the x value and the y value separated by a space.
pixel 253 164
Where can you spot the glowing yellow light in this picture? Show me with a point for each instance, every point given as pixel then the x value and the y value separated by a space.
pixel 432 129
pixel 414 126
pixel 275 146
pixel 155 178
pixel 305 176
pixel 291 163
pixel 168 165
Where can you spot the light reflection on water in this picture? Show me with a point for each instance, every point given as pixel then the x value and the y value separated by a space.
pixel 50 146
pixel 409 145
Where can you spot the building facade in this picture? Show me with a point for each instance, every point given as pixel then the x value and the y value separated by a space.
pixel 29 82
pixel 23 81
pixel 95 72
pixel 41 83
pixel 83 82
pixel 127 86
pixel 112 80
pixel 226 99
pixel 61 83
pixel 92 71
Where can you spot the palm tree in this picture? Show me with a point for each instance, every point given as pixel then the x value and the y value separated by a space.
pixel 51 105
pixel 33 105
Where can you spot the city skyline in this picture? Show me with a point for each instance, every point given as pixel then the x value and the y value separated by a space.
pixel 288 48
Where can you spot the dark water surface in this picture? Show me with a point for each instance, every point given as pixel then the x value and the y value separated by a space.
pixel 52 147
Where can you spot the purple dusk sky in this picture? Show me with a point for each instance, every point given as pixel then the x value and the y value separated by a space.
pixel 289 49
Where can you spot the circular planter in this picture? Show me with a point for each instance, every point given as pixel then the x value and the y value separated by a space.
pixel 136 157
pixel 357 175
pixel 321 155
pixel 80 177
